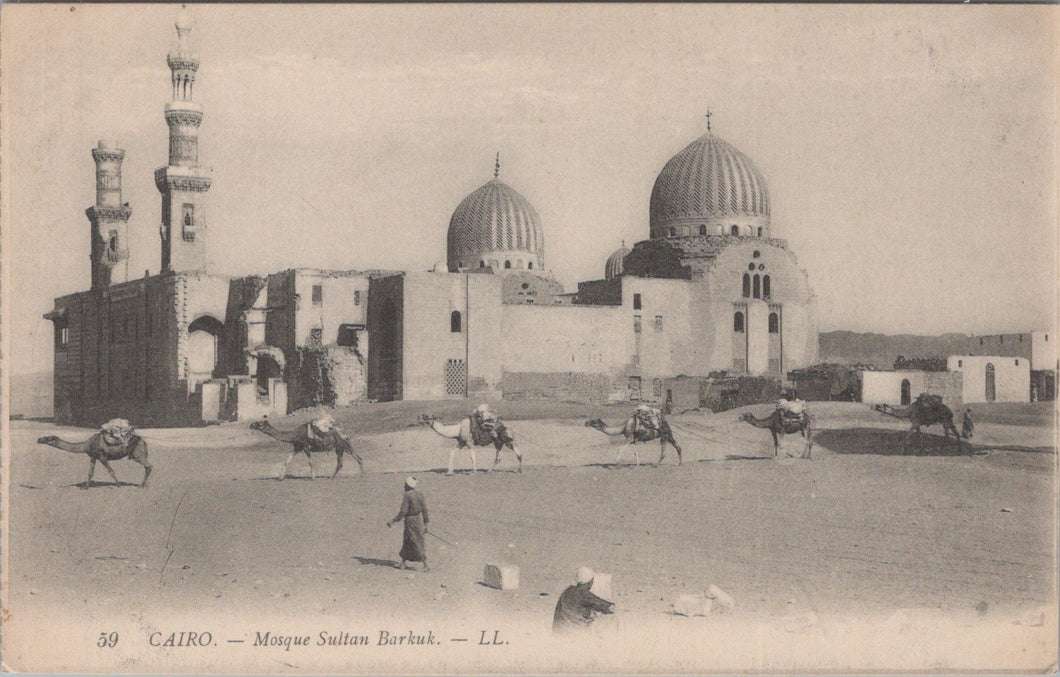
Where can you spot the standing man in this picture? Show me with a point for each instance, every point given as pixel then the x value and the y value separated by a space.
pixel 967 425
pixel 414 512
pixel 577 606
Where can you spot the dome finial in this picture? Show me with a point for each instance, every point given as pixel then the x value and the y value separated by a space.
pixel 497 166
pixel 708 119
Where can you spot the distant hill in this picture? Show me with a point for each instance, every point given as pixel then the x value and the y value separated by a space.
pixel 880 350
pixel 31 395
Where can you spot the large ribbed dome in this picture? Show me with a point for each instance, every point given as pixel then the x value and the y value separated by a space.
pixel 615 265
pixel 495 226
pixel 709 188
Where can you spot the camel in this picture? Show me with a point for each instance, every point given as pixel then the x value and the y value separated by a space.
pixel 299 438
pixel 635 434
pixel 779 425
pixel 921 413
pixel 461 432
pixel 97 449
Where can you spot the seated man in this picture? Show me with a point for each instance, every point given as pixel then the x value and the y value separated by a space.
pixel 647 416
pixel 577 606
pixel 320 428
pixel 116 432
pixel 484 424
pixel 793 409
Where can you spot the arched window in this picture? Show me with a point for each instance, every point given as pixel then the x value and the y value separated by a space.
pixel 757 287
pixel 991 392
pixel 454 322
pixel 481 264
pixel 747 285
pixel 735 230
pixel 737 322
pixel 673 231
pixel 530 265
pixel 507 264
pixel 765 287
pixel 774 323
pixel 702 230
pixel 760 231
pixel 906 396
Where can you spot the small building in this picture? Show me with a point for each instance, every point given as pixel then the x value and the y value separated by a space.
pixel 993 378
pixel 902 387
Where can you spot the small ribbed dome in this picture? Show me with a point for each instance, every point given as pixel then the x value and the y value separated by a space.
pixel 495 226
pixel 615 265
pixel 708 188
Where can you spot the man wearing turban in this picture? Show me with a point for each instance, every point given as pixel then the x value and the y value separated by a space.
pixel 414 512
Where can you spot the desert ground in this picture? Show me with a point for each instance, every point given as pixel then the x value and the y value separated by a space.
pixel 873 555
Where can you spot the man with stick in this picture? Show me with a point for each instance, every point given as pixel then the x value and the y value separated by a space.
pixel 414 512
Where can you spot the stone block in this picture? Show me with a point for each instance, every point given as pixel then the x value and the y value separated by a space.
pixel 723 601
pixel 602 586
pixel 501 576
pixel 692 605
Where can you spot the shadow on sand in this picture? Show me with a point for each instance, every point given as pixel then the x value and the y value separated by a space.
pixel 94 483
pixel 388 563
pixel 890 443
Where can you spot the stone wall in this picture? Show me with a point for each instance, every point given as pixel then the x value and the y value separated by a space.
pixel 571 386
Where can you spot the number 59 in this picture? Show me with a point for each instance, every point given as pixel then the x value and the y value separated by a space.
pixel 107 640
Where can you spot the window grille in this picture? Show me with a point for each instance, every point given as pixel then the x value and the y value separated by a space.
pixel 636 302
pixel 658 323
pixel 455 377
pixel 357 297
pixel 636 324
pixel 318 294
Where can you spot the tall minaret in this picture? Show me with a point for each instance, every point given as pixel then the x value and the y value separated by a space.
pixel 183 183
pixel 109 216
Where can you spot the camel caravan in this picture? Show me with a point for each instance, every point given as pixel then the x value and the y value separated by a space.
pixel 117 439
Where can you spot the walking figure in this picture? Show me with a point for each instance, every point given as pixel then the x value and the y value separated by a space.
pixel 414 512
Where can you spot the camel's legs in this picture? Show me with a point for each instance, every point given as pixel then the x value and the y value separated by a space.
pixel 91 470
pixel 110 470
pixel 309 456
pixel 474 463
pixel 147 469
pixel 517 456
pixel 283 473
pixel 662 450
pixel 452 455
pixel 620 450
pixel 496 460
pixel 677 447
pixel 338 463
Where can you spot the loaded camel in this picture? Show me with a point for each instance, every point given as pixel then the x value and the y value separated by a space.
pixel 925 410
pixel 134 447
pixel 461 432
pixel 636 433
pixel 333 440
pixel 778 425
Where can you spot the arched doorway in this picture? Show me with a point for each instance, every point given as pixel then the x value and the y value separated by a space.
pixel 906 396
pixel 204 336
pixel 991 392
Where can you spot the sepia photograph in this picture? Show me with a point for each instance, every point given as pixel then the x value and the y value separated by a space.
pixel 529 338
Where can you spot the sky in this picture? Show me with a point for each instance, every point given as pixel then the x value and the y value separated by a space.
pixel 910 151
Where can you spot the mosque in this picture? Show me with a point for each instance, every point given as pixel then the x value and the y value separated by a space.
pixel 711 291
